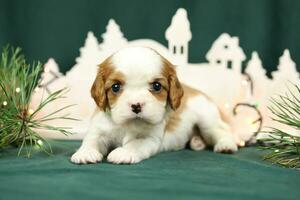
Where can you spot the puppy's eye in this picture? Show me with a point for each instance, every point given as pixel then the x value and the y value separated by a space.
pixel 155 86
pixel 116 87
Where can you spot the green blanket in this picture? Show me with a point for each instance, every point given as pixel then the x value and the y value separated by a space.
pixel 173 175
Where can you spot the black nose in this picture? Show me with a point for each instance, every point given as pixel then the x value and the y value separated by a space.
pixel 136 108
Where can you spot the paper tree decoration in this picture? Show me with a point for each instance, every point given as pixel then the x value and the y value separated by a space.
pixel 113 38
pixel 51 73
pixel 221 78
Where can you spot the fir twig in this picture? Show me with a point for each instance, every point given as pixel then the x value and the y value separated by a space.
pixel 284 148
pixel 17 83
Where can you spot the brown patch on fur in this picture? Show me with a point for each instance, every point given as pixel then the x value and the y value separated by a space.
pixel 174 116
pixel 101 89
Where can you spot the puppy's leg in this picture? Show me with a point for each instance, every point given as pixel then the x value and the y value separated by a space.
pixel 221 138
pixel 94 146
pixel 135 150
pixel 213 129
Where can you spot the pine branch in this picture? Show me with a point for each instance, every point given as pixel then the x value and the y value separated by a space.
pixel 17 125
pixel 284 148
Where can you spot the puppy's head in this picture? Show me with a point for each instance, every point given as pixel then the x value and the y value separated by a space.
pixel 137 84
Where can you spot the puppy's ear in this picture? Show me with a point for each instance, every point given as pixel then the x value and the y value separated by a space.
pixel 98 91
pixel 175 88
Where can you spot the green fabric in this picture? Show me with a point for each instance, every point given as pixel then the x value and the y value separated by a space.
pixel 58 28
pixel 173 175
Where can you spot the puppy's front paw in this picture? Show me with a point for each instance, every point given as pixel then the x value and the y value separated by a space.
pixel 225 145
pixel 85 156
pixel 123 156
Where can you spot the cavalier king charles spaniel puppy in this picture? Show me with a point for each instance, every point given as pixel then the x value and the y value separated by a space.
pixel 143 109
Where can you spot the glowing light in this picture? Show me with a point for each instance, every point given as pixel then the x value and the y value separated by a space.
pixel 227 105
pixel 18 90
pixel 37 89
pixel 249 121
pixel 47 69
pixel 40 142
pixel 276 151
pixel 242 143
pixel 256 104
pixel 30 111
pixel 4 103
pixel 244 82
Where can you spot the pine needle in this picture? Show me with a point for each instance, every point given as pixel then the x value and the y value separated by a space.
pixel 284 148
pixel 17 126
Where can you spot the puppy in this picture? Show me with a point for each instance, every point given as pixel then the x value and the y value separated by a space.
pixel 143 109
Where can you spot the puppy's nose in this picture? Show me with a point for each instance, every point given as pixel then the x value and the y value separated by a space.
pixel 136 108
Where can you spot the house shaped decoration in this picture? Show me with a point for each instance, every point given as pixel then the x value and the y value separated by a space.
pixel 226 52
pixel 178 35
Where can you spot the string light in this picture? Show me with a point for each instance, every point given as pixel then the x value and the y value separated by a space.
pixel 258 121
pixel 46 69
pixel 244 82
pixel 30 111
pixel 37 89
pixel 242 143
pixel 40 142
pixel 250 121
pixel 227 105
pixel 4 103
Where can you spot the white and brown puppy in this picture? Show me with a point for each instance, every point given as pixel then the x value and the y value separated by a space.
pixel 143 109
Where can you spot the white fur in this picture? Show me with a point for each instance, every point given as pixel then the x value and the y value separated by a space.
pixel 138 137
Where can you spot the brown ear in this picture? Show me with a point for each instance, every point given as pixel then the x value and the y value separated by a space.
pixel 98 91
pixel 175 88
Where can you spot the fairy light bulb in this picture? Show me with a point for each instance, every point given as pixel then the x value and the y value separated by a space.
pixel 47 69
pixel 244 82
pixel 249 121
pixel 40 142
pixel 227 105
pixel 30 111
pixel 18 90
pixel 4 103
pixel 242 143
pixel 37 89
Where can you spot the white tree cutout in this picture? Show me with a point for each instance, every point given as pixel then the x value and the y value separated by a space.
pixel 89 51
pixel 259 78
pixel 287 72
pixel 113 38
pixel 50 74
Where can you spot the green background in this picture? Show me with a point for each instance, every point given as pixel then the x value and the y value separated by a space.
pixel 58 28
